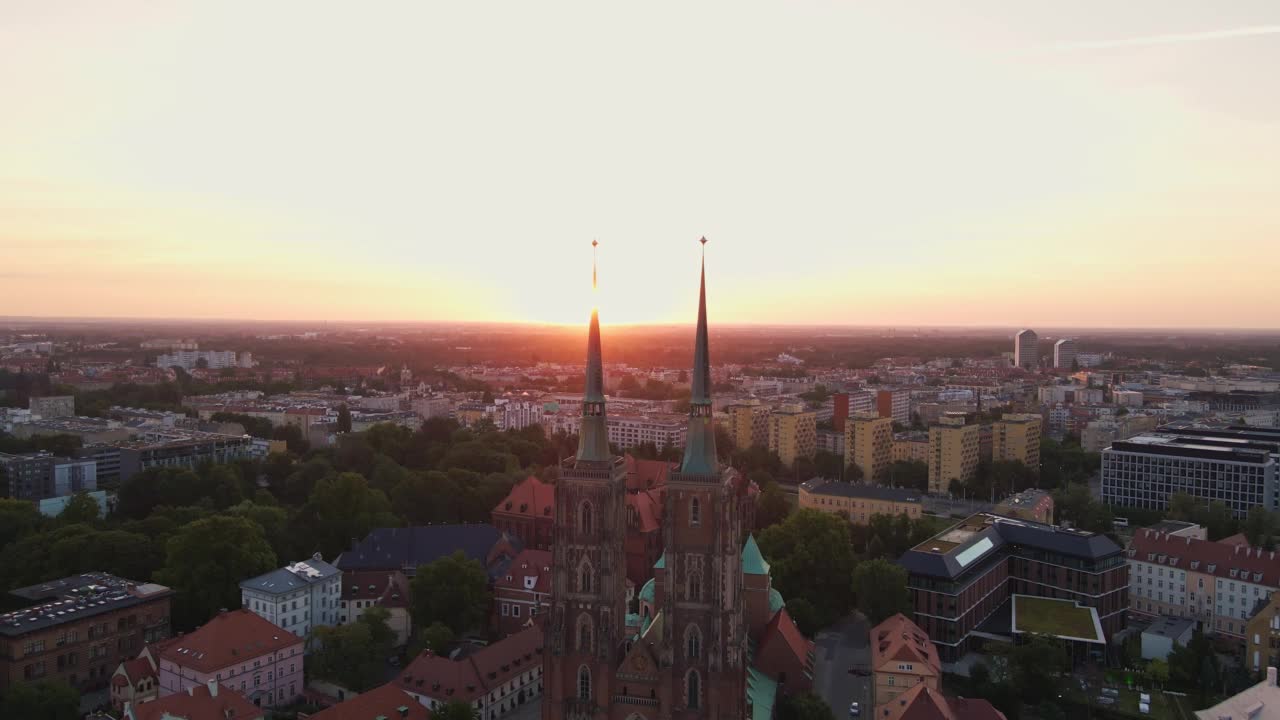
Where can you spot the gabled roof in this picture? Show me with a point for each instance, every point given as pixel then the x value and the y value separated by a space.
pixel 475 675
pixel 647 474
pixel 201 702
pixel 387 701
pixel 389 588
pixel 230 638
pixel 782 645
pixel 648 509
pixel 1221 559
pixel 408 548
pixel 530 571
pixel 898 639
pixel 753 563
pixel 922 702
pixel 530 498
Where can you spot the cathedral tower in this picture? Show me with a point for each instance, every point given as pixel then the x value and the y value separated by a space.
pixel 586 632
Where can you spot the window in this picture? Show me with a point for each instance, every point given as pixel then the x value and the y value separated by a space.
pixel 693 642
pixel 695 587
pixel 692 685
pixel 695 512
pixel 584 683
pixel 515 611
pixel 585 517
pixel 584 578
pixel 584 633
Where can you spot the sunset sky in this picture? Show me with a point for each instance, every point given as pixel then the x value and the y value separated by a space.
pixel 989 163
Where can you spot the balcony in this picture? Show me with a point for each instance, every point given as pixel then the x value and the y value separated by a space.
pixel 629 700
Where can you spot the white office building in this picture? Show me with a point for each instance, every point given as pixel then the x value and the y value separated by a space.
pixel 298 597
pixel 1026 350
pixel 1064 353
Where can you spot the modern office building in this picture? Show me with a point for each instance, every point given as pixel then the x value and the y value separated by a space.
pixel 298 597
pixel 793 433
pixel 857 502
pixel 965 581
pixel 40 476
pixel 52 406
pixel 953 452
pixel 1064 354
pixel 868 444
pixel 1016 437
pixel 80 628
pixel 1239 466
pixel 1026 350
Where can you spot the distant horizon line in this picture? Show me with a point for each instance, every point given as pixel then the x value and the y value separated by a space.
pixel 908 327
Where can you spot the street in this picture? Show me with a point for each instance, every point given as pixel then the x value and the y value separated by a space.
pixel 840 648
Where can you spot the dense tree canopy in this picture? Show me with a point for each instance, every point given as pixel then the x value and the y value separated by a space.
pixel 354 655
pixel 812 559
pixel 44 699
pixel 881 589
pixel 205 562
pixel 452 591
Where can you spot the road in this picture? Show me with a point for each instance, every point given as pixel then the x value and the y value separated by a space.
pixel 840 648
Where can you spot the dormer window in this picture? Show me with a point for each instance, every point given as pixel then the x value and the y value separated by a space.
pixel 1195 564
pixel 1233 572
pixel 1213 567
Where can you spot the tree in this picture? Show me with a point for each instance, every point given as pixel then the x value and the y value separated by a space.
pixel 804 706
pixel 881 589
pixel 44 699
pixel 344 418
pixel 827 464
pixel 18 518
pixel 293 438
pixel 1182 506
pixel 772 507
pixel 453 591
pixel 354 655
pixel 1034 667
pixel 454 710
pixel 1158 670
pixel 342 507
pixel 812 558
pixel 1260 527
pixel 913 474
pixel 207 559
pixel 1075 504
pixel 81 508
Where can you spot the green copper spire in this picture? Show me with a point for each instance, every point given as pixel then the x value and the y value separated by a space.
pixel 593 435
pixel 700 445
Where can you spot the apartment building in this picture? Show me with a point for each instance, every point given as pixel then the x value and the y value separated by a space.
pixel 628 431
pixel 868 443
pixel 79 629
pixel 496 680
pixel 895 404
pixel 40 475
pixel 966 579
pixel 749 424
pixel 1219 584
pixel 52 406
pixel 523 595
pixel 953 452
pixel 1016 437
pixel 1064 354
pixel 1239 466
pixel 1026 350
pixel 902 657
pixel 1099 434
pixel 857 502
pixel 911 447
pixel 238 650
pixel 298 597
pixel 793 433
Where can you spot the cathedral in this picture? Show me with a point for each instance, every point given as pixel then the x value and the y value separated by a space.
pixel 711 638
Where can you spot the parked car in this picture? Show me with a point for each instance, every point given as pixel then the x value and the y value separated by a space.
pixel 1111 691
pixel 855 710
pixel 1105 700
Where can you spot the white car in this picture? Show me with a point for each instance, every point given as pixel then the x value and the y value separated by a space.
pixel 855 710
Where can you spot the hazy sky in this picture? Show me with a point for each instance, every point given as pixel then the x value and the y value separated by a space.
pixel 906 163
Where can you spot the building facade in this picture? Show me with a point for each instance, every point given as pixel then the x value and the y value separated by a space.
pixel 894 404
pixel 298 597
pixel 52 406
pixel 237 650
pixel 901 658
pixel 868 440
pixel 1026 350
pixel 953 452
pixel 793 433
pixel 749 424
pixel 1016 437
pixel 79 629
pixel 628 431
pixel 858 502
pixel 1064 354
pixel 1237 466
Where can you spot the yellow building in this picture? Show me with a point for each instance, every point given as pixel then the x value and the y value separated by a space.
pixel 1017 437
pixel 858 502
pixel 1262 635
pixel 902 656
pixel 953 452
pixel 868 443
pixel 749 424
pixel 911 446
pixel 793 433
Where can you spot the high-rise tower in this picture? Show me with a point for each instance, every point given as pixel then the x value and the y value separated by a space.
pixel 1026 350
pixel 586 632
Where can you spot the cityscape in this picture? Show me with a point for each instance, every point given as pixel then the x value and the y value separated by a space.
pixel 330 390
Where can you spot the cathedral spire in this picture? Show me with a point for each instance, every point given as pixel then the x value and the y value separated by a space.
pixel 593 436
pixel 700 445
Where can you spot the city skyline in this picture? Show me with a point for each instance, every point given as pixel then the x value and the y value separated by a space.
pixel 852 166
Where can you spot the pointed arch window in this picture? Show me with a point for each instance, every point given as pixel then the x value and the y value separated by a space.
pixel 586 579
pixel 584 683
pixel 584 633
pixel 693 643
pixel 695 512
pixel 693 687
pixel 586 517
pixel 693 588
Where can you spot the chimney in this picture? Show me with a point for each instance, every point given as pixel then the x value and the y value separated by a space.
pixel 1271 676
pixel 213 688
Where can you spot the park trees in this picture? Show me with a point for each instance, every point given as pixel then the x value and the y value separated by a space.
pixel 811 558
pixel 452 591
pixel 207 559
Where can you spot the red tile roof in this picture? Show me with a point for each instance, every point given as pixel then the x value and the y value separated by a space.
pixel 229 638
pixel 475 675
pixel 648 509
pixel 530 498
pixel 384 700
pixel 199 704
pixel 1211 558
pixel 899 639
pixel 646 474
pixel 135 670
pixel 782 645
pixel 529 572
pixel 390 589
pixel 922 702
